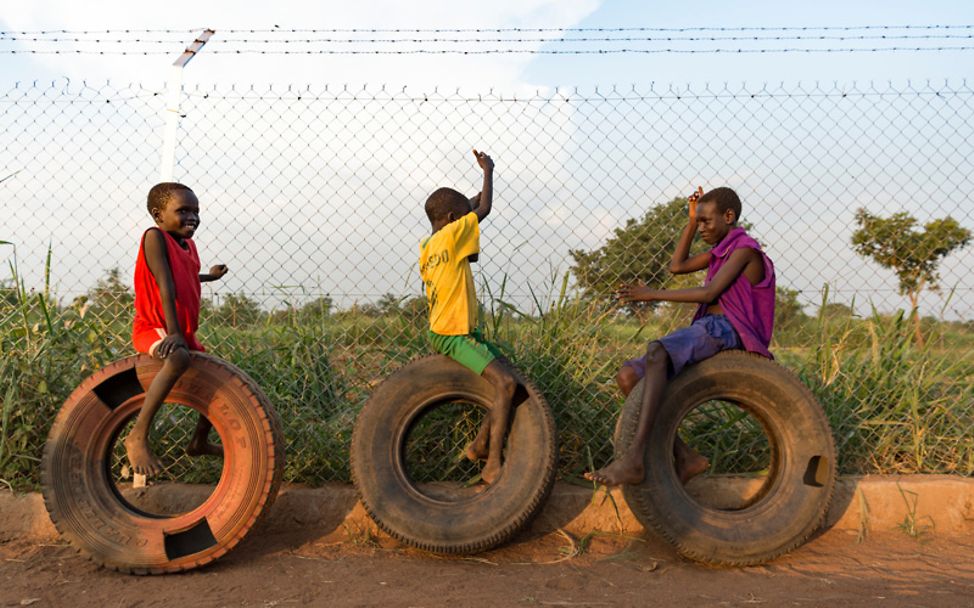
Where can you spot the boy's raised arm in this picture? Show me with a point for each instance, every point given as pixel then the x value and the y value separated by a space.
pixel 681 263
pixel 484 200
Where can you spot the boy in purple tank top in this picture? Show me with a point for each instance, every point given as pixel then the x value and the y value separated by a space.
pixel 735 310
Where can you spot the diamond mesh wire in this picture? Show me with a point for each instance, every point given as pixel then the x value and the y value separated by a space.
pixel 313 197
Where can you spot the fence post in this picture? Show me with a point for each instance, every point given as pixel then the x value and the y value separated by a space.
pixel 171 111
pixel 168 161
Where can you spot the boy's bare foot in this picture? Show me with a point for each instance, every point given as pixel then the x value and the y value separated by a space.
pixel 199 446
pixel 477 449
pixel 689 464
pixel 626 470
pixel 490 472
pixel 141 458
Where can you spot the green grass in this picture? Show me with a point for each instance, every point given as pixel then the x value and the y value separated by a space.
pixel 894 406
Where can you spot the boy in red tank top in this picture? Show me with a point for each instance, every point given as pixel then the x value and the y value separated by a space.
pixel 167 309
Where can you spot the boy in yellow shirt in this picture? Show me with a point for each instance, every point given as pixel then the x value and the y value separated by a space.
pixel 444 265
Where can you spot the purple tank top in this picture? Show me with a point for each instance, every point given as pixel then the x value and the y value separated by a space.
pixel 749 308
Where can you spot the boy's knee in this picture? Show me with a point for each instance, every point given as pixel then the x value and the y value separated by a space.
pixel 501 378
pixel 507 384
pixel 178 360
pixel 656 354
pixel 627 378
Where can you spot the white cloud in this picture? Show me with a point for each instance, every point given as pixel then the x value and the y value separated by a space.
pixel 476 72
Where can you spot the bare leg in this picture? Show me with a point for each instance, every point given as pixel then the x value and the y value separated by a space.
pixel 198 445
pixel 628 468
pixel 500 413
pixel 478 448
pixel 689 462
pixel 140 456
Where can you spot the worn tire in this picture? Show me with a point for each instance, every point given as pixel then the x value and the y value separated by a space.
pixel 88 509
pixel 795 497
pixel 474 522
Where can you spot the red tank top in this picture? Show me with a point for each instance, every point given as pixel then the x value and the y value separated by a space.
pixel 184 264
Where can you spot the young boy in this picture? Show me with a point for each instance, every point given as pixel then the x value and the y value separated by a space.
pixel 444 265
pixel 167 307
pixel 736 310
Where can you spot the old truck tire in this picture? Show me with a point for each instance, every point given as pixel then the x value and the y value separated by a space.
pixel 795 496
pixel 464 522
pixel 90 511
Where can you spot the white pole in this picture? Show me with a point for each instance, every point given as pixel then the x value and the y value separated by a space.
pixel 171 111
pixel 172 116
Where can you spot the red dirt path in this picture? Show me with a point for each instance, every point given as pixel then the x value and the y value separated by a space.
pixel 351 569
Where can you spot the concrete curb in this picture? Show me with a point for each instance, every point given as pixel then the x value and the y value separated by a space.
pixel 936 504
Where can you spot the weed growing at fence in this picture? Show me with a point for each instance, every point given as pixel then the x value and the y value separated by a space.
pixel 894 406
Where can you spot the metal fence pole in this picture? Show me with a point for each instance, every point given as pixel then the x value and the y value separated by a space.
pixel 172 113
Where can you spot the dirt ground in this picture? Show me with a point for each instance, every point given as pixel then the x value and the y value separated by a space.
pixel 350 568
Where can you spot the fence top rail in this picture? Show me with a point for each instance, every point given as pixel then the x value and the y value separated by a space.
pixel 109 90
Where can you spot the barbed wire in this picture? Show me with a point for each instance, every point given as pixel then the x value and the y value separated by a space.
pixel 495 30
pixel 598 39
pixel 511 40
pixel 4 33
pixel 308 92
pixel 4 38
pixel 725 51
pixel 400 45
pixel 599 29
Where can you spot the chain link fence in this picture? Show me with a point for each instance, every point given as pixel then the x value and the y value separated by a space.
pixel 313 196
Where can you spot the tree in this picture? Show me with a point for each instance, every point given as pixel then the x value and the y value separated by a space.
pixel 639 251
pixel 789 316
pixel 317 309
pixel 387 304
pixel 111 299
pixel 914 255
pixel 836 310
pixel 237 310
pixel 8 292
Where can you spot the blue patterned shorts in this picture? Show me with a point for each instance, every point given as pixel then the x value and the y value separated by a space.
pixel 703 339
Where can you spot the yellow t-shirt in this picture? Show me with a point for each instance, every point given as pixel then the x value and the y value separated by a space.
pixel 445 270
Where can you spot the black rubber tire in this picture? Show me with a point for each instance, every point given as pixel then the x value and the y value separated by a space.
pixel 796 496
pixel 471 524
pixel 88 509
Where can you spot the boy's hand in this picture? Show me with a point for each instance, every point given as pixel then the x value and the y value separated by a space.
pixel 170 343
pixel 693 199
pixel 485 162
pixel 218 271
pixel 634 293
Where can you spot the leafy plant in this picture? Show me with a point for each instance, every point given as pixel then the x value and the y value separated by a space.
pixel 914 255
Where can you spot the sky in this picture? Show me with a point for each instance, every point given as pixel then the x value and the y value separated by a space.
pixel 503 71
pixel 570 206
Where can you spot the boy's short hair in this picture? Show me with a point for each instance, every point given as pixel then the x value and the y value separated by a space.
pixel 442 202
pixel 160 194
pixel 725 199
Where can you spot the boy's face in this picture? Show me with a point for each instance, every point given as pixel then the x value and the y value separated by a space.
pixel 712 224
pixel 180 216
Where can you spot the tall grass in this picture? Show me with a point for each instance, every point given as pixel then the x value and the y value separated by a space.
pixel 568 353
pixel 894 406
pixel 45 351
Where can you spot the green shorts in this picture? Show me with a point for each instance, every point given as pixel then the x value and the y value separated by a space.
pixel 470 350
